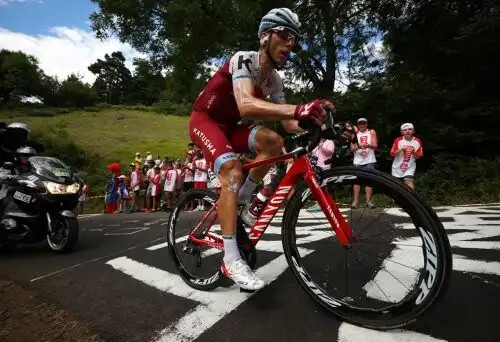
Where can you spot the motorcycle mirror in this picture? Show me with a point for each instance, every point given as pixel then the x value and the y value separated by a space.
pixel 9 165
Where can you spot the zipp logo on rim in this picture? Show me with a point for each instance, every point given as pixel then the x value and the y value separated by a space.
pixel 430 265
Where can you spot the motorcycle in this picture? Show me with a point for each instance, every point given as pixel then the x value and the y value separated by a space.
pixel 37 205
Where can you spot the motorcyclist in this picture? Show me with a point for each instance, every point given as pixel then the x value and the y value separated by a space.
pixel 21 157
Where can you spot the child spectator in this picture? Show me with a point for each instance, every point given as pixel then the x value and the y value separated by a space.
pixel 124 195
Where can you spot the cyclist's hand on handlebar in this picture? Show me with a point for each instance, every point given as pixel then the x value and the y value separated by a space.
pixel 313 110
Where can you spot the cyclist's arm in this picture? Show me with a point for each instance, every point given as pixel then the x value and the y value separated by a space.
pixel 254 108
pixel 249 106
pixel 278 96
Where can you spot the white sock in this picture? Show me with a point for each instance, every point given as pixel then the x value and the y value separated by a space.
pixel 246 189
pixel 231 252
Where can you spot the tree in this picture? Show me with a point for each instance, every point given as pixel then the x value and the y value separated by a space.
pixel 19 75
pixel 114 80
pixel 185 35
pixel 148 82
pixel 73 92
pixel 440 76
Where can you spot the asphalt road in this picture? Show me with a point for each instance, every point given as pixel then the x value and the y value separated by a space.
pixel 120 280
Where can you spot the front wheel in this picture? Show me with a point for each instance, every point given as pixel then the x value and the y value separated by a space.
pixel 397 267
pixel 64 234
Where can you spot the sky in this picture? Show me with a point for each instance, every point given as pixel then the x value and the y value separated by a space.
pixel 58 33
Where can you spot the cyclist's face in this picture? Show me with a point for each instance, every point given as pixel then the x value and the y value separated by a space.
pixel 281 44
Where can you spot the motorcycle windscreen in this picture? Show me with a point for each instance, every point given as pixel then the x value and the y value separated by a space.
pixel 52 169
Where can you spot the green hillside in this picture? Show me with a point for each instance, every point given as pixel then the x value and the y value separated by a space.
pixel 90 139
pixel 101 133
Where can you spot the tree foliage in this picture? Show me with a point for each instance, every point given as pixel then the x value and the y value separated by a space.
pixel 186 35
pixel 20 75
pixel 114 79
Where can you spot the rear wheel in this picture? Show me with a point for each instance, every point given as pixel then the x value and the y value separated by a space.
pixel 411 257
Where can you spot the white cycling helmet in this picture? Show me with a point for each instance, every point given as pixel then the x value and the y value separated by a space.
pixel 280 17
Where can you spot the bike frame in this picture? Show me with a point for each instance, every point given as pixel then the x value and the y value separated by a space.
pixel 301 167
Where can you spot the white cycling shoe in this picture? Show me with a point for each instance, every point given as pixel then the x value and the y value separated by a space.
pixel 239 272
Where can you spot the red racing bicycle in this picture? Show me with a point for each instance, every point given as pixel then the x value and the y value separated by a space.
pixel 413 249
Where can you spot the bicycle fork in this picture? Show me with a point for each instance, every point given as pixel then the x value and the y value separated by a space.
pixel 340 226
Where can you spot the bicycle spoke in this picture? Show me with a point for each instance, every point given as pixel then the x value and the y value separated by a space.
pixel 368 225
pixel 389 259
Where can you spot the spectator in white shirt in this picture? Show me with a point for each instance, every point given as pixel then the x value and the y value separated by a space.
pixel 406 149
pixel 364 157
pixel 135 186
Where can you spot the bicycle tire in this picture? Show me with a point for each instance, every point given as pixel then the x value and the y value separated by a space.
pixel 199 283
pixel 245 246
pixel 407 311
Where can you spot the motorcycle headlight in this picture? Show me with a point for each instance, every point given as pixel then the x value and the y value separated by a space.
pixel 61 189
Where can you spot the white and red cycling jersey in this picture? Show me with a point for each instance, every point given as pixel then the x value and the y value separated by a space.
pixel 217 98
pixel 404 164
pixel 213 125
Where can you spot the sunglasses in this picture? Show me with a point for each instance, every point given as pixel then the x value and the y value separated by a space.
pixel 286 35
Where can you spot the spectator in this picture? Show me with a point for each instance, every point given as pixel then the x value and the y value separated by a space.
pixel 155 188
pixel 82 197
pixel 200 174
pixel 158 161
pixel 321 153
pixel 170 184
pixel 406 149
pixel 135 185
pixel 364 157
pixel 149 184
pixel 138 160
pixel 190 152
pixel 180 178
pixel 123 195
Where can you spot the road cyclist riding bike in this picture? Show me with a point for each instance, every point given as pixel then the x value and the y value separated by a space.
pixel 408 254
pixel 237 91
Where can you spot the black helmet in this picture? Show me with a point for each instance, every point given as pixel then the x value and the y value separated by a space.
pixel 16 135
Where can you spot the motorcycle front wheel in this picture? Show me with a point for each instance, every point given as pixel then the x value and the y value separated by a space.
pixel 64 238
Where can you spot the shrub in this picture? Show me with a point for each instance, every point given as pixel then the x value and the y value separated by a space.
pixel 459 180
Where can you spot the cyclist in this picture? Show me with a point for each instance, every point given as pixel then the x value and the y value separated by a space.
pixel 238 91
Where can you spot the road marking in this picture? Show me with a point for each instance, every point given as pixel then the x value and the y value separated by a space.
pixel 87 215
pixel 213 306
pixel 352 333
pixel 93 260
pixel 132 231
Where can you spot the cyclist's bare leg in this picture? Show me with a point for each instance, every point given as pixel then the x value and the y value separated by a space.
pixel 267 144
pixel 233 266
pixel 231 176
